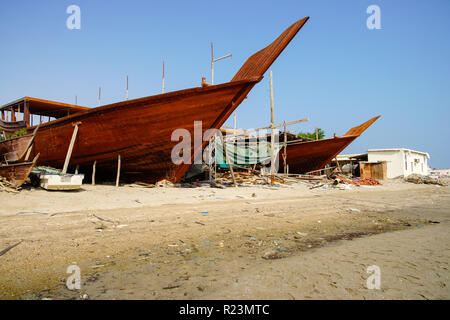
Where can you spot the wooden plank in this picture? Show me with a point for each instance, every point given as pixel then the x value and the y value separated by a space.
pixel 272 132
pixel 118 170
pixel 227 159
pixel 69 151
pixel 93 172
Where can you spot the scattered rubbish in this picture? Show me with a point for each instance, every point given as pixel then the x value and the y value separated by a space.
pixel 420 225
pixel 272 254
pixel 252 238
pixel 365 181
pixel 206 243
pixel 430 221
pixel 355 210
pixel 165 183
pixel 97 266
pixel 172 245
pixel 228 231
pixel 6 185
pixel 197 222
pixel 347 186
pixel 253 195
pixel 302 234
pixel 220 198
pixel 103 219
pixel 121 226
pixel 139 184
pixel 259 228
pixel 84 296
pixel 9 248
pixel 204 212
pixel 418 179
pixel 172 287
pixel 281 248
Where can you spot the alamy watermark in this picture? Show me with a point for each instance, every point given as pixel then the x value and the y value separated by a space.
pixel 74 280
pixel 374 20
pixel 374 280
pixel 74 20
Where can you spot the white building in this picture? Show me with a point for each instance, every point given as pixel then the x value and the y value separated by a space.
pixel 401 162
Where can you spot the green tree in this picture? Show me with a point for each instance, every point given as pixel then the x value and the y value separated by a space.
pixel 312 135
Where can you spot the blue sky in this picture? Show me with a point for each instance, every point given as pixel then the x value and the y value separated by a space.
pixel 336 71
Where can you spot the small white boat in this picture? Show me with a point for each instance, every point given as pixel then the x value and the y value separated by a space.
pixel 50 179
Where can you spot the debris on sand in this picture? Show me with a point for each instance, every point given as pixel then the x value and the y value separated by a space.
pixel 172 287
pixel 272 254
pixel 165 183
pixel 9 248
pixel 419 179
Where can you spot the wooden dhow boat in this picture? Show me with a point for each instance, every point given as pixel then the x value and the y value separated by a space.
pixel 309 156
pixel 17 173
pixel 140 130
pixel 14 155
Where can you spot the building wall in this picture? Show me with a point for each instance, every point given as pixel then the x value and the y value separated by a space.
pixel 401 162
pixel 394 161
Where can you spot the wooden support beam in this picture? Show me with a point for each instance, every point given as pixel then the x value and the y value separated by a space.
pixel 269 127
pixel 285 146
pixel 13 115
pixel 272 133
pixel 118 170
pixel 72 143
pixel 227 159
pixel 93 172
pixel 26 113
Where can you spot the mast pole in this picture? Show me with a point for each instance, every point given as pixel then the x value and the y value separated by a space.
pixel 212 64
pixel 272 133
pixel 163 79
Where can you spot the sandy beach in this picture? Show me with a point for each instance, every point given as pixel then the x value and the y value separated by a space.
pixel 259 242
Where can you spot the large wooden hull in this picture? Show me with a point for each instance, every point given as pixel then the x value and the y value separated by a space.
pixel 304 157
pixel 139 131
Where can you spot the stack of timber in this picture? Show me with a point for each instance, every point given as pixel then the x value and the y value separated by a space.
pixel 6 185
